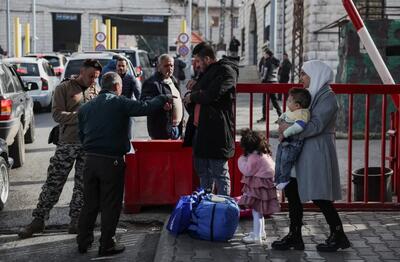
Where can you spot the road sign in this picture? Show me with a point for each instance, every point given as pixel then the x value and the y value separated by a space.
pixel 183 50
pixel 183 38
pixel 100 37
pixel 100 47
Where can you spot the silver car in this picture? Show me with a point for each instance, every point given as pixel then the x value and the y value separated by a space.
pixel 37 70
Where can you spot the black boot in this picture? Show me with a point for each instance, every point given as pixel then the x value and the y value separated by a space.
pixel 336 240
pixel 291 240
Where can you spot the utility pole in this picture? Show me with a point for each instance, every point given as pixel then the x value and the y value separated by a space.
pixel 222 23
pixel 34 26
pixel 232 8
pixel 206 24
pixel 8 28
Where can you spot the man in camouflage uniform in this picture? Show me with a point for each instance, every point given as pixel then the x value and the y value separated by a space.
pixel 68 97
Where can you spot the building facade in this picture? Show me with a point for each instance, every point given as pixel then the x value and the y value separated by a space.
pixel 270 23
pixel 68 25
pixel 212 31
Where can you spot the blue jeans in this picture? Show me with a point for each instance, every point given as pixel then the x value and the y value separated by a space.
pixel 212 170
pixel 286 155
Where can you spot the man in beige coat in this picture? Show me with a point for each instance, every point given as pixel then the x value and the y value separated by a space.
pixel 68 97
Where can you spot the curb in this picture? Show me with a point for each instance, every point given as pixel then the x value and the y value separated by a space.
pixel 165 246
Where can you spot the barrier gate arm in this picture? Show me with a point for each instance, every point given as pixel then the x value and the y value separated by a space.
pixel 369 44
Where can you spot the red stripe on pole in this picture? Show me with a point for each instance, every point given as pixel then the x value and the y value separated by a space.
pixel 353 14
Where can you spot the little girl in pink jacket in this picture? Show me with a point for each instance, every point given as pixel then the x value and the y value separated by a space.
pixel 259 192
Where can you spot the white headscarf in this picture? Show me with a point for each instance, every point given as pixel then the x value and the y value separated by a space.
pixel 320 74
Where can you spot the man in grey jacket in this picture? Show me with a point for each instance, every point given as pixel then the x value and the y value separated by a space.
pixel 68 98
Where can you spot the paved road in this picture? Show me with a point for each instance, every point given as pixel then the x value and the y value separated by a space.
pixel 140 232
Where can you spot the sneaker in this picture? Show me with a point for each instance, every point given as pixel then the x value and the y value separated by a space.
pixel 36 226
pixel 250 239
pixel 263 235
pixel 261 120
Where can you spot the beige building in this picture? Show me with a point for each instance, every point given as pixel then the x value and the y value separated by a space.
pixel 213 29
pixel 67 24
pixel 270 23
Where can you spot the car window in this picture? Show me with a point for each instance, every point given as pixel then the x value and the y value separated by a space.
pixel 64 60
pixel 53 60
pixel 6 79
pixel 26 69
pixel 132 58
pixel 17 80
pixel 144 60
pixel 74 66
pixel 48 69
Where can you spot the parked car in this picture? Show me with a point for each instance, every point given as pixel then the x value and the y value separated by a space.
pixel 6 163
pixel 76 60
pixel 39 71
pixel 17 123
pixel 56 60
pixel 140 60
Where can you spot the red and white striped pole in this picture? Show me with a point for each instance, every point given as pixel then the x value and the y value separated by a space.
pixel 369 44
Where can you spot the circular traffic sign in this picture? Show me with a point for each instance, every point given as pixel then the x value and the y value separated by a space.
pixel 100 47
pixel 183 38
pixel 183 50
pixel 100 37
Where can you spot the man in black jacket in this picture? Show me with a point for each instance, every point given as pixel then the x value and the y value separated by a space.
pixel 210 128
pixel 103 131
pixel 129 85
pixel 167 122
pixel 269 75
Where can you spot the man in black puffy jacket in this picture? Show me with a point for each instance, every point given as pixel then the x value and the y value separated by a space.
pixel 210 127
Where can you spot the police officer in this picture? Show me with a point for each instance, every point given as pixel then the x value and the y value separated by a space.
pixel 103 130
pixel 68 98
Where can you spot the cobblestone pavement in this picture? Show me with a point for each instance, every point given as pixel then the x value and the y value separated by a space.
pixel 374 237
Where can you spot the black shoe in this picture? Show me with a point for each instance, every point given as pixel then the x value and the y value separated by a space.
pixel 291 240
pixel 261 120
pixel 116 248
pixel 85 244
pixel 36 226
pixel 336 240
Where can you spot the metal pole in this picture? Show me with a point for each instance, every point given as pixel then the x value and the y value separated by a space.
pixel 206 20
pixel 273 34
pixel 34 26
pixel 27 39
pixel 8 27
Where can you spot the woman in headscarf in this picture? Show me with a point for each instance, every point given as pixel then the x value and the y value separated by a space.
pixel 316 175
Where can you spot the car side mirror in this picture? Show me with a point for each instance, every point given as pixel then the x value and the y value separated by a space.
pixel 29 86
pixel 58 73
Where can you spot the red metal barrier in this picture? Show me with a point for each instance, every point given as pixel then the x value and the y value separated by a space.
pixel 161 170
pixel 351 90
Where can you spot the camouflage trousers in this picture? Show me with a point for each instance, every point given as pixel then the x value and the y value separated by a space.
pixel 57 173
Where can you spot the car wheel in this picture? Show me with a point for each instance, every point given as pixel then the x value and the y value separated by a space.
pixel 17 149
pixel 30 133
pixel 48 108
pixel 4 182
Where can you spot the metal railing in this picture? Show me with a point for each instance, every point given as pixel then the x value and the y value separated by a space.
pixel 388 135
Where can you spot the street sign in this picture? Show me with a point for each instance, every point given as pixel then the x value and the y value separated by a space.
pixel 183 50
pixel 183 38
pixel 100 37
pixel 100 47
